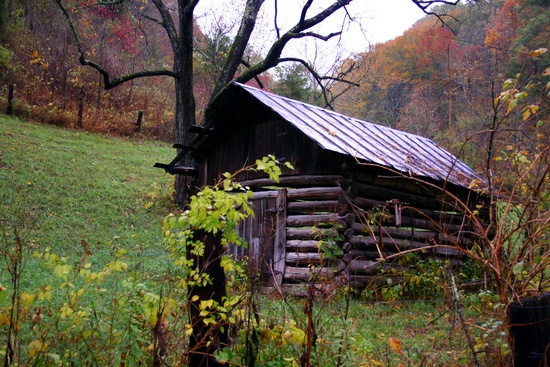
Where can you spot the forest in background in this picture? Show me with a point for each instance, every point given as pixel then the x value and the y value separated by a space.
pixel 436 80
pixel 441 81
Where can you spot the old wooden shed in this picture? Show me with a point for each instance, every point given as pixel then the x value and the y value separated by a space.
pixel 359 195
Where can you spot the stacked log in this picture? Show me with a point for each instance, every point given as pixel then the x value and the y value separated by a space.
pixel 315 226
pixel 348 229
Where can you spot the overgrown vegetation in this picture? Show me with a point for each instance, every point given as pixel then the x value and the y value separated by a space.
pixel 89 292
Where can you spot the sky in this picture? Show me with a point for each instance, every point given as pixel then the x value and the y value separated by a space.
pixel 381 20
pixel 376 21
pixel 387 19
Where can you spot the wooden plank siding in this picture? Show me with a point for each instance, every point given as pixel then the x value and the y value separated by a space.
pixel 231 149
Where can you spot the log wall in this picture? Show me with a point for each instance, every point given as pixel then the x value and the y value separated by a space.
pixel 347 229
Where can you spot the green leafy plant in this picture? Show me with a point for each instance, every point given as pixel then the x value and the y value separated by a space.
pixel 196 239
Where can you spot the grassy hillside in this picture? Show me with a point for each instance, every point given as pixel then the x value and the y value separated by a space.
pixel 61 187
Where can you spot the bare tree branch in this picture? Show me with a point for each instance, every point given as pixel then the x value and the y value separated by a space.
pixel 168 24
pixel 108 83
pixel 425 4
pixel 319 79
pixel 298 31
pixel 275 16
pixel 316 35
pixel 304 12
pixel 154 20
pixel 247 64
pixel 102 3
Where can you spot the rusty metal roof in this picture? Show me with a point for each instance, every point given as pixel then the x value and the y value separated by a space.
pixel 402 151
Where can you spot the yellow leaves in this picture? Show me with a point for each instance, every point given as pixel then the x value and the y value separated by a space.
pixel 117 265
pixel 62 271
pixel 269 165
pixel 154 306
pixel 529 111
pixel 65 311
pixel 37 346
pixel 476 184
pixel 121 252
pixel 395 345
pixel 229 265
pixel 205 305
pixel 45 294
pixel 188 330
pixel 294 335
pixel 36 59
pixel 89 275
pixel 538 52
pixel 113 266
pixel 4 319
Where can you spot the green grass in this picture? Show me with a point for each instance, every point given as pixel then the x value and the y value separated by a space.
pixel 62 187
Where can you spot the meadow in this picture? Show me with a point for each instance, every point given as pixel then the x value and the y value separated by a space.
pixel 84 264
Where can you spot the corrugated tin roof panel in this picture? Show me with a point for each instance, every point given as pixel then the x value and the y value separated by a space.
pixel 370 142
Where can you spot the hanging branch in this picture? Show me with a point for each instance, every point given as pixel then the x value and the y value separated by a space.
pixel 300 30
pixel 108 83
pixel 327 95
pixel 425 4
pixel 456 303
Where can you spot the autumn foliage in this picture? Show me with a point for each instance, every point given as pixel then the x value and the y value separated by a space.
pixel 439 80
pixel 436 80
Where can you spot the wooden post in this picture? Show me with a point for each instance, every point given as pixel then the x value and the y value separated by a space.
pixel 9 110
pixel 80 109
pixel 279 247
pixel 139 120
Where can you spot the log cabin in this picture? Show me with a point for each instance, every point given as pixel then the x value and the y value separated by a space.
pixel 360 196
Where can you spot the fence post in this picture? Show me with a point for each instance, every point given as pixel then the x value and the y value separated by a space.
pixel 80 108
pixel 530 331
pixel 9 110
pixel 139 120
pixel 279 246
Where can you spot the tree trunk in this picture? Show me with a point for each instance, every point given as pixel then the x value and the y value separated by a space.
pixel 206 339
pixel 185 99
